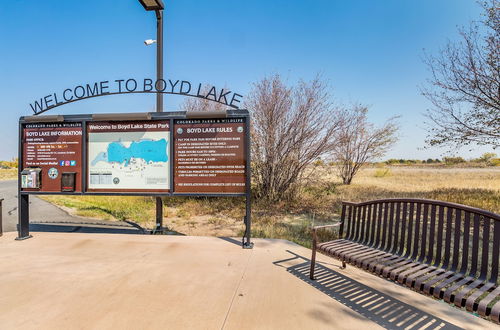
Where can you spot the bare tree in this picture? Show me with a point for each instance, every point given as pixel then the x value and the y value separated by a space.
pixel 359 141
pixel 291 127
pixel 202 104
pixel 464 87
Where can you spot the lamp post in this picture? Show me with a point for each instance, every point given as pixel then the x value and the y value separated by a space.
pixel 157 6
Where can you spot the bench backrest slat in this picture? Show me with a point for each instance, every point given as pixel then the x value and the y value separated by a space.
pixel 373 221
pixel 466 245
pixel 364 219
pixel 390 231
pixel 357 222
pixel 456 239
pixel 397 231
pixel 430 253
pixel 475 245
pixel 440 231
pixel 383 241
pixel 368 224
pixel 403 230
pixel 361 220
pixel 425 225
pixel 447 239
pixel 496 253
pixel 409 230
pixel 342 222
pixel 349 221
pixel 417 237
pixel 379 224
pixel 485 248
pixel 353 220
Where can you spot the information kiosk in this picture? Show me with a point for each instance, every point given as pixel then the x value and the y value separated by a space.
pixel 143 154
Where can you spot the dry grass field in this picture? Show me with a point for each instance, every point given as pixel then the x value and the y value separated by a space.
pixel 319 201
pixel 410 179
pixel 479 187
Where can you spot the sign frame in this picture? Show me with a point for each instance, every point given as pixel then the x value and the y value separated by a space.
pixel 85 119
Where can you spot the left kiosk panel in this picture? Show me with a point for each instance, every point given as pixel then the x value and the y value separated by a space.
pixel 52 157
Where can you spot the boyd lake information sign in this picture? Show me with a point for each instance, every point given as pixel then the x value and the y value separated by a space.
pixel 55 148
pixel 209 155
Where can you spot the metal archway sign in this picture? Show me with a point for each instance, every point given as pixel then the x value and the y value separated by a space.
pixel 134 86
pixel 196 153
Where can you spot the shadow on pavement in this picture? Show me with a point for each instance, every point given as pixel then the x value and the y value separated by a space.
pixel 378 307
pixel 231 240
pixel 79 228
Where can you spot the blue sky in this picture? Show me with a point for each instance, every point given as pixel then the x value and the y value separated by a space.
pixel 369 51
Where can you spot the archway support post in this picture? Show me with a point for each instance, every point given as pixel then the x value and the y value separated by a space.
pixel 159 103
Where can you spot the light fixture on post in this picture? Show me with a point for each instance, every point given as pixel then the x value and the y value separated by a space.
pixel 152 4
pixel 157 6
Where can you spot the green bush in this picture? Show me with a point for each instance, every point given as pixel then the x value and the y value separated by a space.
pixel 382 172
pixel 453 160
pixel 494 162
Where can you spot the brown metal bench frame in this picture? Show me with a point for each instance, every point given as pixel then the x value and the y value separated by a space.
pixel 447 250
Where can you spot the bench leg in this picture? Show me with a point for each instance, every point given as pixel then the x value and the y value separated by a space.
pixel 313 261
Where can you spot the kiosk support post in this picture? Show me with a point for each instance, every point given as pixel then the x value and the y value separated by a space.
pixel 159 102
pixel 24 217
pixel 23 201
pixel 159 215
pixel 248 191
pixel 248 222
pixel 1 211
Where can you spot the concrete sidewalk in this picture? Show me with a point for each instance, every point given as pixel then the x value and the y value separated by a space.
pixel 67 281
pixel 45 216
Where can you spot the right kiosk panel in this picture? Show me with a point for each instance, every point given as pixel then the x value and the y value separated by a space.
pixel 210 156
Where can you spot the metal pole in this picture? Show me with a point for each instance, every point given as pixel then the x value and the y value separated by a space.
pixel 159 101
pixel 23 206
pixel 159 57
pixel 1 229
pixel 247 244
pixel 24 217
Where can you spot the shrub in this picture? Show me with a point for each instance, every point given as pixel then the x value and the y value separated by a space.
pixel 292 127
pixel 453 160
pixel 319 162
pixel 382 172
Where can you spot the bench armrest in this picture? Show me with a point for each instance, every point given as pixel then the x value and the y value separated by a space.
pixel 315 229
pixel 326 226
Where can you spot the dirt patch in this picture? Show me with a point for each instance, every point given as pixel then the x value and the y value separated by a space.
pixel 205 225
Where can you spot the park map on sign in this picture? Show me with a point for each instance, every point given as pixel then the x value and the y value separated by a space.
pixel 128 160
pixel 145 151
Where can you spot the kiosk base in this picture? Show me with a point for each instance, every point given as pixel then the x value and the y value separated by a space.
pixel 158 231
pixel 23 238
pixel 247 245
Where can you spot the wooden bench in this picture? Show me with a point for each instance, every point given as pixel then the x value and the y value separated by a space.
pixel 447 250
